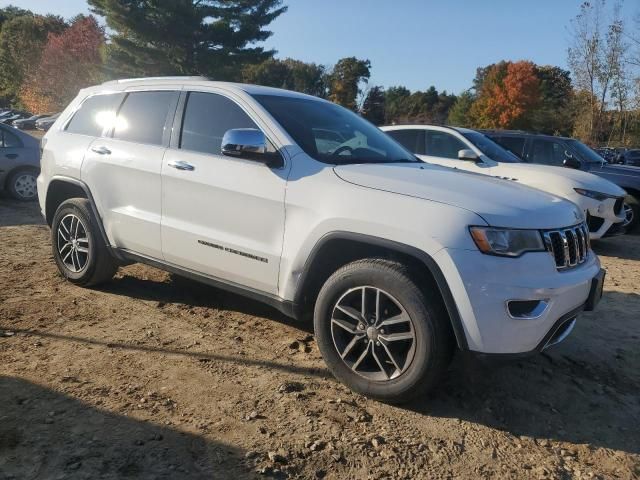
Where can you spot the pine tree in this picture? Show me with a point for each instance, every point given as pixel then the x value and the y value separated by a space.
pixel 214 38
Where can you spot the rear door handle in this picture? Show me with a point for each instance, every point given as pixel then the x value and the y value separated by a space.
pixel 101 150
pixel 11 155
pixel 181 165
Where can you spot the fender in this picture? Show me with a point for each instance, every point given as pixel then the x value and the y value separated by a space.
pixel 426 260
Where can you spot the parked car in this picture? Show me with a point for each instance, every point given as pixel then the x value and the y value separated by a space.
pixel 29 123
pixel 571 153
pixel 629 157
pixel 465 149
pixel 46 122
pixel 19 163
pixel 15 115
pixel 236 186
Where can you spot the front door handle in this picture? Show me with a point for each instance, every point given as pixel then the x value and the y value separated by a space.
pixel 11 155
pixel 101 150
pixel 181 165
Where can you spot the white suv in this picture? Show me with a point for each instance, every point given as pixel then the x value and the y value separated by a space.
pixel 304 205
pixel 601 200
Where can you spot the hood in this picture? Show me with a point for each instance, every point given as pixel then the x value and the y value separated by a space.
pixel 559 180
pixel 501 203
pixel 627 170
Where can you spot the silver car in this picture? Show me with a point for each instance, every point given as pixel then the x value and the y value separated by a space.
pixel 19 163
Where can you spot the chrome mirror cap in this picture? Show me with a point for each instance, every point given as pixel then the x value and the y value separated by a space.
pixel 247 143
pixel 468 154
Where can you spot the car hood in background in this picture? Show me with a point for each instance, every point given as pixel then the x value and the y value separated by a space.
pixel 502 203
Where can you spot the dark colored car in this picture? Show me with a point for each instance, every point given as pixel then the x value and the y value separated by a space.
pixel 19 163
pixel 13 116
pixel 46 122
pixel 629 157
pixel 29 123
pixel 571 153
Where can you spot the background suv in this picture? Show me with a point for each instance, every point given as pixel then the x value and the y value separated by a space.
pixel 304 205
pixel 469 150
pixel 571 153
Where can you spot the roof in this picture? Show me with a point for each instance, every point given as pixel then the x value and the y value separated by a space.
pixel 250 89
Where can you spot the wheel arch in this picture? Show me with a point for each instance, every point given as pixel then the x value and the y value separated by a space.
pixel 61 189
pixel 336 249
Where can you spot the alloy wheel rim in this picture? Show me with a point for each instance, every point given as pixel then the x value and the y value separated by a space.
pixel 25 185
pixel 373 334
pixel 73 243
pixel 628 215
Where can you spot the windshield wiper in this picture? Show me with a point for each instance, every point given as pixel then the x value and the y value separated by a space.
pixel 403 160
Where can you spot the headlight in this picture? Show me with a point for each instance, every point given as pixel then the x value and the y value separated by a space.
pixel 506 242
pixel 593 194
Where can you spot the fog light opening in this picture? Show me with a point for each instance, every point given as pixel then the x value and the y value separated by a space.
pixel 526 309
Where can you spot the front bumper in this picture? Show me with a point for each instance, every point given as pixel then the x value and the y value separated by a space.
pixel 483 286
pixel 602 216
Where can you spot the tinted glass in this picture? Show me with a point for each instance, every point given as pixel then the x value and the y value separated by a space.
pixel 443 144
pixel 547 152
pixel 490 148
pixel 9 140
pixel 513 144
pixel 143 116
pixel 411 139
pixel 584 152
pixel 206 119
pixel 332 134
pixel 95 113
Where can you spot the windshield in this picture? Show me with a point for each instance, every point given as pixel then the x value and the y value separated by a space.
pixel 490 148
pixel 584 152
pixel 332 134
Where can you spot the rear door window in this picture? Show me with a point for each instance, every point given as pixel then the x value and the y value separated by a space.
pixel 143 117
pixel 9 140
pixel 411 139
pixel 95 115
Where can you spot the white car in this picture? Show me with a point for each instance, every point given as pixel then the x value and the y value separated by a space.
pixel 601 200
pixel 238 186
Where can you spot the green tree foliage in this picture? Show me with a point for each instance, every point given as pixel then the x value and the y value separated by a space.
pixel 459 114
pixel 554 114
pixel 346 79
pixel 214 38
pixel 289 74
pixel 429 106
pixel 373 107
pixel 22 39
pixel 396 99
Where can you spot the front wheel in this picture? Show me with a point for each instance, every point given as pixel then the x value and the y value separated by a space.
pixel 380 333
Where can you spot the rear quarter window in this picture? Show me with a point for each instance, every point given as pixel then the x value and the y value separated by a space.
pixel 95 114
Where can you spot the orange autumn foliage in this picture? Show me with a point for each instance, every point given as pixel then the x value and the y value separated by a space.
pixel 509 93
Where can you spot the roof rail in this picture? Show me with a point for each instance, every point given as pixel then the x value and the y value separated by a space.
pixel 175 78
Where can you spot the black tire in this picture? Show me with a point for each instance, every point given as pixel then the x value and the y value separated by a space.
pixel 21 184
pixel 97 264
pixel 634 204
pixel 433 337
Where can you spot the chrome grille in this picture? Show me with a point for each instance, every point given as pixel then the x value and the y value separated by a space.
pixel 568 246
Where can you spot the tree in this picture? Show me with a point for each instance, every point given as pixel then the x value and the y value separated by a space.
pixel 553 115
pixel 71 60
pixel 214 38
pixel 509 94
pixel 22 40
pixel 346 79
pixel 459 115
pixel 395 104
pixel 373 106
pixel 290 74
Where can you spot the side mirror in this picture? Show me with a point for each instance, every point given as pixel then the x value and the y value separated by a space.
pixel 468 155
pixel 249 144
pixel 570 161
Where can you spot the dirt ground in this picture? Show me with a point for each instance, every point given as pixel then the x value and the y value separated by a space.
pixel 152 376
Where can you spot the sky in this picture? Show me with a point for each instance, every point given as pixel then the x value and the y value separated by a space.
pixel 414 43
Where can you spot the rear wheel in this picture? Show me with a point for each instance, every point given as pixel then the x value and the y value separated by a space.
pixel 22 184
pixel 631 213
pixel 380 333
pixel 78 248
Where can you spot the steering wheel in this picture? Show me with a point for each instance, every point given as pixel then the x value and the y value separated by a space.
pixel 339 150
